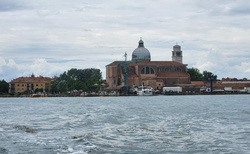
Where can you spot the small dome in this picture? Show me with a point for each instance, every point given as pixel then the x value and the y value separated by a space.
pixel 141 52
pixel 177 47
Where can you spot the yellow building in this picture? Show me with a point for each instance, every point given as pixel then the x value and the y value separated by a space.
pixel 22 84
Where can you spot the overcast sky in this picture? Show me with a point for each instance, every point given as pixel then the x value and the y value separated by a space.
pixel 48 37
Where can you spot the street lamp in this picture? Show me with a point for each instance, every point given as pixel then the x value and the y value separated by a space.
pixel 211 84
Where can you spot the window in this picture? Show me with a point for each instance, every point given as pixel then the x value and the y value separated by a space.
pixel 178 69
pixel 152 71
pixel 167 69
pixel 41 84
pixel 147 70
pixel 143 71
pixel 36 84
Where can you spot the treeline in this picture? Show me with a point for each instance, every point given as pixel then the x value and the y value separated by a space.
pixel 77 79
pixel 4 87
pixel 196 75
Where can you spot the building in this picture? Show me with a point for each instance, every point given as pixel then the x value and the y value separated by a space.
pixel 142 71
pixel 226 85
pixel 232 85
pixel 23 84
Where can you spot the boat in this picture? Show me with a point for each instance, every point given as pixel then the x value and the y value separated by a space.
pixel 145 91
pixel 39 95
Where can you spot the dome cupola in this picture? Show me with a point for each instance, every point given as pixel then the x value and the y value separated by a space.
pixel 141 52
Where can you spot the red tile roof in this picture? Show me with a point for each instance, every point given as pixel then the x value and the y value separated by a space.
pixel 197 82
pixel 172 74
pixel 145 62
pixel 31 79
pixel 114 63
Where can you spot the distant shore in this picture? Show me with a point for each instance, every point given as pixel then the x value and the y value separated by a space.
pixel 65 95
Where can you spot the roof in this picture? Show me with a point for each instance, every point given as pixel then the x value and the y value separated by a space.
pixel 114 63
pixel 147 62
pixel 114 88
pixel 141 52
pixel 197 82
pixel 172 74
pixel 232 84
pixel 31 79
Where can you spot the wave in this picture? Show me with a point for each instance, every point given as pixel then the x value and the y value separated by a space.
pixel 20 127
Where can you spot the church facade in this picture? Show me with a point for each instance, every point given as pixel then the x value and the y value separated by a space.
pixel 142 71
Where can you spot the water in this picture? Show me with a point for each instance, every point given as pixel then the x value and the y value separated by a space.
pixel 157 124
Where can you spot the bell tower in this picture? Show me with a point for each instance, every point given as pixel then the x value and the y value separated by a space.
pixel 177 54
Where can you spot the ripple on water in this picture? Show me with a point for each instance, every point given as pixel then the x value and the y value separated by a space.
pixel 164 124
pixel 3 150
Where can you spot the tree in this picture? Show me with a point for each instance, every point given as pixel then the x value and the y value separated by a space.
pixel 195 74
pixel 77 79
pixel 207 75
pixel 4 87
pixel 38 90
pixel 62 86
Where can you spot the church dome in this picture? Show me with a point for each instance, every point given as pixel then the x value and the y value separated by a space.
pixel 141 52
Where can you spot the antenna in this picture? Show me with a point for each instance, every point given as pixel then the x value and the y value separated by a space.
pixel 125 55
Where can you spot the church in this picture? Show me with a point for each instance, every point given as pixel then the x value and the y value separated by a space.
pixel 140 70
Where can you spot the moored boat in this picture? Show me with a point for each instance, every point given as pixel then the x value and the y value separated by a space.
pixel 145 91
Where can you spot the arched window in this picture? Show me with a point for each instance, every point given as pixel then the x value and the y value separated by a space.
pixel 167 69
pixel 177 69
pixel 147 70
pixel 152 71
pixel 143 71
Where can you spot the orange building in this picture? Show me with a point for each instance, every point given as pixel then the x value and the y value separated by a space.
pixel 22 84
pixel 142 71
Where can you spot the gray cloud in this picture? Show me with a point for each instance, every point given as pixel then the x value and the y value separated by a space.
pixel 214 35
pixel 12 5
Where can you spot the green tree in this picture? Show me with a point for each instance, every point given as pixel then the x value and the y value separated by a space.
pixel 195 74
pixel 62 86
pixel 207 75
pixel 77 79
pixel 38 90
pixel 4 87
pixel 54 85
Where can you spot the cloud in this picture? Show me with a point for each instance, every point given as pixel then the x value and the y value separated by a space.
pixel 10 69
pixel 12 5
pixel 47 34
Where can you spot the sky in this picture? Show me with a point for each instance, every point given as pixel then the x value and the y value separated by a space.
pixel 44 37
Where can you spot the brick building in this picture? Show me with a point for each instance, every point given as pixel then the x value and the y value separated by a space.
pixel 142 71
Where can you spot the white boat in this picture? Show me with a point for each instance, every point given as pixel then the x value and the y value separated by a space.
pixel 145 91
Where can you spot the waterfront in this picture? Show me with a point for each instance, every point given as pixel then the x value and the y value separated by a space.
pixel 154 124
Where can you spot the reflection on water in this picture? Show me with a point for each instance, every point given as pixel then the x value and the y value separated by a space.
pixel 158 124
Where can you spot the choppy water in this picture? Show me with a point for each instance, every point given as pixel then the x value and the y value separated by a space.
pixel 157 124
